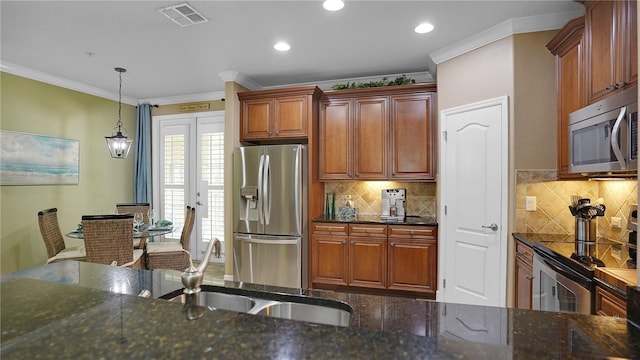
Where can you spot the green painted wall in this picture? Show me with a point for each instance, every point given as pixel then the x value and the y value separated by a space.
pixel 34 107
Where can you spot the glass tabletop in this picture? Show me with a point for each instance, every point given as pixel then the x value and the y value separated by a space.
pixel 146 231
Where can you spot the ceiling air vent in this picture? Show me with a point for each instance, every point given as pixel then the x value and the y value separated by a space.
pixel 183 15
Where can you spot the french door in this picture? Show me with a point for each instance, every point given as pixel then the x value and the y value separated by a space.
pixel 188 169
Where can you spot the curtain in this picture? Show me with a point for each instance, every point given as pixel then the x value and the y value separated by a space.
pixel 142 161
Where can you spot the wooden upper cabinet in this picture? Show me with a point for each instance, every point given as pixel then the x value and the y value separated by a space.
pixel 378 134
pixel 277 114
pixel 336 140
pixel 568 48
pixel 413 136
pixel 611 47
pixel 371 133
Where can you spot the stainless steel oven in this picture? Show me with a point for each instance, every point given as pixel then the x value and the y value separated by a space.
pixel 557 287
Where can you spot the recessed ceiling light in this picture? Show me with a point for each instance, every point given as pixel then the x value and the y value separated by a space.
pixel 333 5
pixel 282 46
pixel 423 28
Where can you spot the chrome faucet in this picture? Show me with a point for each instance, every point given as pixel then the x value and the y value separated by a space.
pixel 192 276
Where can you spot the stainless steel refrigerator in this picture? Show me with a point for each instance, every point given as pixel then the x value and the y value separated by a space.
pixel 269 207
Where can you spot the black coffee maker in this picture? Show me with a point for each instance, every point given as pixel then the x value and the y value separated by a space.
pixel 632 226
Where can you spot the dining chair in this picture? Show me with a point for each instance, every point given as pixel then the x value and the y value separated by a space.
pixel 173 255
pixel 133 208
pixel 53 240
pixel 107 239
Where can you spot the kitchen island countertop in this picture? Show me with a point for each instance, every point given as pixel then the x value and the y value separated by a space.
pixel 81 310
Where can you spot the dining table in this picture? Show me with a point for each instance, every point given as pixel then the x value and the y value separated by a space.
pixel 144 231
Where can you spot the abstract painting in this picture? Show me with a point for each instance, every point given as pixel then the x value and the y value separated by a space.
pixel 30 159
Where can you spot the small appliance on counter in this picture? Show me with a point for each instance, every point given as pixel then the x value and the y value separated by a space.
pixel 393 203
pixel 586 214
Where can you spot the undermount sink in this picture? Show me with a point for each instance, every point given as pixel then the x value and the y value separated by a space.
pixel 222 301
pixel 286 307
pixel 306 312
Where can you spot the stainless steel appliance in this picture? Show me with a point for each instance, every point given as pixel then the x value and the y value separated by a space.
pixel 393 204
pixel 269 211
pixel 603 137
pixel 632 244
pixel 557 287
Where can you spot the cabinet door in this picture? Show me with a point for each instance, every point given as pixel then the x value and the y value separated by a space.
pixel 523 284
pixel 412 140
pixel 336 140
pixel 368 262
pixel 570 85
pixel 329 259
pixel 611 54
pixel 371 122
pixel 290 116
pixel 256 119
pixel 413 265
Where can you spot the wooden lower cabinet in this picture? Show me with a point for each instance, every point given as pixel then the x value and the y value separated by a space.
pixel 330 260
pixel 376 257
pixel 413 254
pixel 367 262
pixel 523 276
pixel 609 304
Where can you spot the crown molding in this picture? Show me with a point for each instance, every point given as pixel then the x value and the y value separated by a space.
pixel 502 30
pixel 240 79
pixel 181 99
pixel 65 83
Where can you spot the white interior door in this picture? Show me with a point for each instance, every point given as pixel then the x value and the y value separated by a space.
pixel 188 169
pixel 473 188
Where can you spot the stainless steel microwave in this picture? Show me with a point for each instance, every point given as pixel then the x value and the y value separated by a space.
pixel 603 137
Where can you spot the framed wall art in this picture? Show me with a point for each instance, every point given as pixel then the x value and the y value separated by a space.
pixel 30 159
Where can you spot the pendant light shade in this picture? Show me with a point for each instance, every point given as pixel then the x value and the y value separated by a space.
pixel 118 144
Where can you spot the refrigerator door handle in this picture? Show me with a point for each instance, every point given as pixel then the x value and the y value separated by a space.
pixel 261 190
pixel 267 190
pixel 268 242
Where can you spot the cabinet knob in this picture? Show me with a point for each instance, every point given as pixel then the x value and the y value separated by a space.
pixel 520 252
pixel 351 242
pixel 530 277
pixel 610 88
pixel 344 241
pixel 392 244
pixel 357 174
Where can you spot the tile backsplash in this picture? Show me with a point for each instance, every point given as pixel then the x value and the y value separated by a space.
pixel 366 196
pixel 553 198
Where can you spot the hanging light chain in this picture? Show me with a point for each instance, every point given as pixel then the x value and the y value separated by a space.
pixel 120 71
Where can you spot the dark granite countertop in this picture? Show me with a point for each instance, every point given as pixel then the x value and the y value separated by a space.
pixel 81 310
pixel 372 219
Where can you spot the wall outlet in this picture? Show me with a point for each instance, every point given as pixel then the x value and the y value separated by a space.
pixel 616 222
pixel 530 203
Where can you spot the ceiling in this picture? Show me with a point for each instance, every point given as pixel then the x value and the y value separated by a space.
pixel 83 41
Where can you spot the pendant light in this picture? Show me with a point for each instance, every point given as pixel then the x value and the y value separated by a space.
pixel 119 145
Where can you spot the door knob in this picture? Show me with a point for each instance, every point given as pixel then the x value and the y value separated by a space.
pixel 493 227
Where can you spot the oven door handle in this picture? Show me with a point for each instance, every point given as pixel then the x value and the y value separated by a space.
pixel 569 275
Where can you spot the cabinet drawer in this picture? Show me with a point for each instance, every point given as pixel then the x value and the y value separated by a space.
pixel 413 232
pixel 368 230
pixel 524 252
pixel 609 304
pixel 330 228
